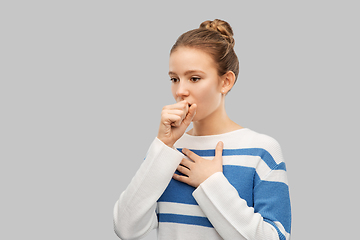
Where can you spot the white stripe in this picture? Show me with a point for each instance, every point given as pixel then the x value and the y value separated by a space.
pixel 262 170
pixel 179 208
pixel 277 176
pixel 243 160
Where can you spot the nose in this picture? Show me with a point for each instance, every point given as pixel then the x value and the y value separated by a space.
pixel 182 90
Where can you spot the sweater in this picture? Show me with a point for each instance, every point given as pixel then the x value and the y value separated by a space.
pixel 248 200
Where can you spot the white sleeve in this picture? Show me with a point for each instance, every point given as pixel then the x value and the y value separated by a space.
pixel 134 212
pixel 230 214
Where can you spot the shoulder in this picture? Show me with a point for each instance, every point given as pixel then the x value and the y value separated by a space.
pixel 264 141
pixel 254 139
pixel 267 144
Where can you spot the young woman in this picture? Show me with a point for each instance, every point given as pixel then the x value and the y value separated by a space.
pixel 217 181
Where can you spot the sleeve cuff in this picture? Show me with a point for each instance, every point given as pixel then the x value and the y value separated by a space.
pixel 169 158
pixel 214 183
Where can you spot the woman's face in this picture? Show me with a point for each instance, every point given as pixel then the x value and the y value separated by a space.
pixel 195 79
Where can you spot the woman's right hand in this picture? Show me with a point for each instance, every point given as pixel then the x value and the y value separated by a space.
pixel 174 121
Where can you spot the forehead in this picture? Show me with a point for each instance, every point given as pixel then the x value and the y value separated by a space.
pixel 185 59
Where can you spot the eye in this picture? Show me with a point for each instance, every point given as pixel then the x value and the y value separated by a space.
pixel 174 80
pixel 194 79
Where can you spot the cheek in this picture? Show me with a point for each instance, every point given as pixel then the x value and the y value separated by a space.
pixel 208 99
pixel 173 91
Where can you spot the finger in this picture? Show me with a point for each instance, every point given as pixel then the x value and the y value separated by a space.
pixel 182 105
pixel 171 119
pixel 219 150
pixel 186 105
pixel 176 112
pixel 187 163
pixel 180 178
pixel 193 156
pixel 183 170
pixel 181 109
pixel 190 115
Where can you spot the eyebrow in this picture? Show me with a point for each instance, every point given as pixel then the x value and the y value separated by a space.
pixel 189 72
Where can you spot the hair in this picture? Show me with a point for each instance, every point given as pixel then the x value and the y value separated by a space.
pixel 215 38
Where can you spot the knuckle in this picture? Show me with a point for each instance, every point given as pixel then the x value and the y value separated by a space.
pixel 183 105
pixel 163 116
pixel 166 107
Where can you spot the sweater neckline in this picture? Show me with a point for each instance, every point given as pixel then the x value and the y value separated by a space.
pixel 217 135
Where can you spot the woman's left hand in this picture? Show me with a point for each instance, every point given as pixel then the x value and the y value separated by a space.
pixel 197 169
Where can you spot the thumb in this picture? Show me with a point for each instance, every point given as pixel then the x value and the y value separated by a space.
pixel 190 116
pixel 219 150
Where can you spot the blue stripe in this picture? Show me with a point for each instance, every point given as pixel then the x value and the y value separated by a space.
pixel 184 219
pixel 272 201
pixel 178 192
pixel 242 179
pixel 281 166
pixel 259 152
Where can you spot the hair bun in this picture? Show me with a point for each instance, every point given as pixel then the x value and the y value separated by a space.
pixel 222 27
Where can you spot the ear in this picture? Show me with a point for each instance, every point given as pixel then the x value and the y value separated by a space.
pixel 228 81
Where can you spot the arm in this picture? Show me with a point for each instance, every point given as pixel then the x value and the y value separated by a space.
pixel 134 212
pixel 232 217
pixel 269 218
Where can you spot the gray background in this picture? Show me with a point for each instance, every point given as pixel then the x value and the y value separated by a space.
pixel 83 84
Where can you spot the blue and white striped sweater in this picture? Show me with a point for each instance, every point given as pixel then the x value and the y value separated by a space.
pixel 248 200
pixel 252 171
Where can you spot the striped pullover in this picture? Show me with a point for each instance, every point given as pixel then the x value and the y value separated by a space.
pixel 248 200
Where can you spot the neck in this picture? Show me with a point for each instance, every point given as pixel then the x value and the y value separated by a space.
pixel 216 123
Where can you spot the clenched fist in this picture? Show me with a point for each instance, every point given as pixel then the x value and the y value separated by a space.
pixel 174 121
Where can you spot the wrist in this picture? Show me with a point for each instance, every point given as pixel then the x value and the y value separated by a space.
pixel 166 142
